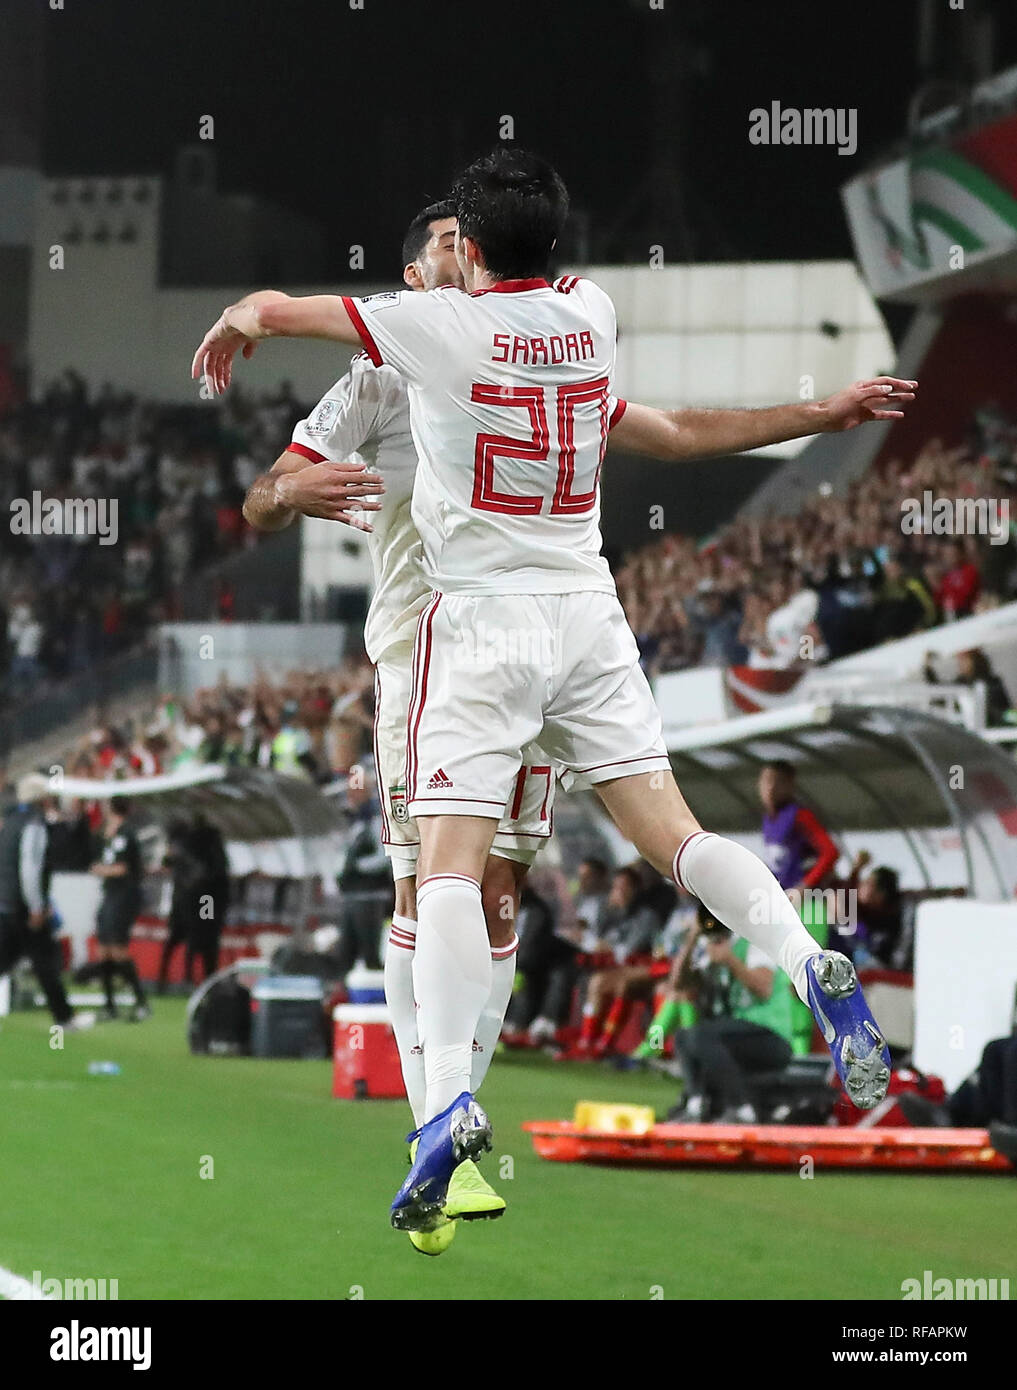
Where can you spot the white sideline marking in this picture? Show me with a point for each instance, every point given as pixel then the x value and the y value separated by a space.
pixel 12 1286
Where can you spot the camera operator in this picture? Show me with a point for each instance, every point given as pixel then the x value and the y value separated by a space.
pixel 745 1008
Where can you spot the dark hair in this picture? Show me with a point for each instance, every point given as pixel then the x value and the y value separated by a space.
pixel 707 921
pixel 120 805
pixel 783 767
pixel 514 206
pixel 981 668
pixel 597 865
pixel 630 872
pixel 419 231
pixel 887 883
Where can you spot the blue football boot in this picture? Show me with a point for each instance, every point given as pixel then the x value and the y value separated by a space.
pixel 460 1132
pixel 859 1049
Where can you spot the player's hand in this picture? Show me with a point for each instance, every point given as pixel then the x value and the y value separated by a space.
pixel 332 491
pixel 214 359
pixel 878 399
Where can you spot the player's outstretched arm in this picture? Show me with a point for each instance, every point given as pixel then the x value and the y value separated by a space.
pixel 295 487
pixel 268 314
pixel 680 435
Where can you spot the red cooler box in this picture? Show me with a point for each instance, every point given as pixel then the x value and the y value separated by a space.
pixel 365 1053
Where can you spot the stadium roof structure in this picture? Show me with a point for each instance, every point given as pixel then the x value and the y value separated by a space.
pixel 865 768
pixel 272 824
pixel 243 803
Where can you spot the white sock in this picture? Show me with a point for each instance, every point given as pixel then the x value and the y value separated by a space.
pixel 741 892
pixel 503 977
pixel 402 1009
pixel 451 982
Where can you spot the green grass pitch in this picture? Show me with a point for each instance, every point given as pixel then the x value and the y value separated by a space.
pixel 101 1179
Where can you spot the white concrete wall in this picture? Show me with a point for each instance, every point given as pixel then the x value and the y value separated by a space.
pixel 742 334
pixel 206 653
pixel 712 335
pixel 181 318
pixel 331 555
pixel 105 314
pixel 965 978
pixel 96 313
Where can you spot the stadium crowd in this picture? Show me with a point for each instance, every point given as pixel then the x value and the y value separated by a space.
pixel 843 573
pixel 615 939
pixel 178 475
pixel 627 969
pixel 314 724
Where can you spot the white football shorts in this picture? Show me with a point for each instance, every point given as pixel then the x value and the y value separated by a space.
pixel 493 674
pixel 526 820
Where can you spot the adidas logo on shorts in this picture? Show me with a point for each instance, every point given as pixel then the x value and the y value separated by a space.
pixel 439 781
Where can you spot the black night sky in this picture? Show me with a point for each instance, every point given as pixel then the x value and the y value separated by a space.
pixel 356 117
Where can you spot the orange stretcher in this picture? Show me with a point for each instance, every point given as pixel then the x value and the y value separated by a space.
pixel 780 1146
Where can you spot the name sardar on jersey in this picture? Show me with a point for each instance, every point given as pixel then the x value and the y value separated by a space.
pixel 549 351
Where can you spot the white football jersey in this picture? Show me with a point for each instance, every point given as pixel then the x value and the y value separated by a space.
pixel 365 417
pixel 510 407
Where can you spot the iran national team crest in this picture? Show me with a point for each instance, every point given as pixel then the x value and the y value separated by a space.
pixel 397 800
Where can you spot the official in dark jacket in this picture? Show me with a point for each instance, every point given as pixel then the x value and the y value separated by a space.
pixel 365 884
pixel 214 898
pixel 26 928
pixel 187 876
pixel 121 869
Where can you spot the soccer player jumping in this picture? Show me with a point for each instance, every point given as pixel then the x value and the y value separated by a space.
pixel 353 460
pixel 510 404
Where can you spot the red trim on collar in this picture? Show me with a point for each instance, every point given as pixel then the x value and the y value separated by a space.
pixel 513 287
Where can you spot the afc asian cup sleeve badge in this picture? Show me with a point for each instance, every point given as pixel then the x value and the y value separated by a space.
pixel 323 418
pixel 385 300
pixel 397 802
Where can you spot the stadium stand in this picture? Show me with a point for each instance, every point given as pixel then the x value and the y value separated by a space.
pixel 314 724
pixel 177 476
pixel 840 570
